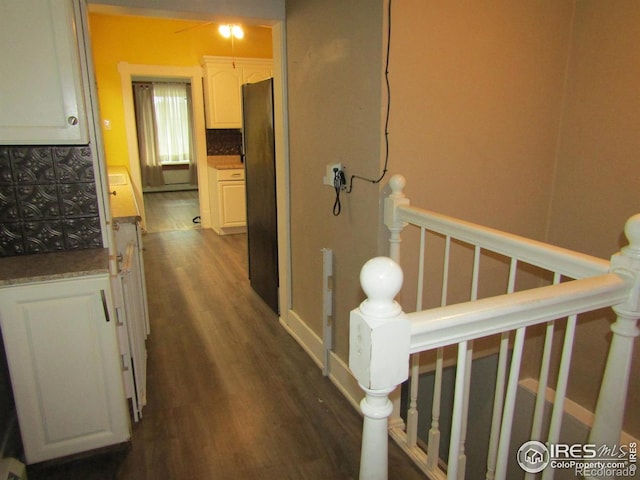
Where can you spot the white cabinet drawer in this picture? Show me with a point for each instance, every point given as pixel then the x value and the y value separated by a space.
pixel 231 174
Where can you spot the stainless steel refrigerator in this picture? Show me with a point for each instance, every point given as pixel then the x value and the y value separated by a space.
pixel 260 174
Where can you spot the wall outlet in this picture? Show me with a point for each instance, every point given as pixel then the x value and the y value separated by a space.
pixel 330 173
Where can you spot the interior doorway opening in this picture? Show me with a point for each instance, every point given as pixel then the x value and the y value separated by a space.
pixel 167 154
pixel 164 124
pixel 118 82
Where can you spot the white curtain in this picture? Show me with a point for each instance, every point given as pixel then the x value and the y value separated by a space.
pixel 172 122
pixel 150 163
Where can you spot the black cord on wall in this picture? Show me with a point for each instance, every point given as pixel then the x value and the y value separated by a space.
pixel 386 124
pixel 339 182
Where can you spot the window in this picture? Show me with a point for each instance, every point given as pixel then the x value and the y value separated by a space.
pixel 171 107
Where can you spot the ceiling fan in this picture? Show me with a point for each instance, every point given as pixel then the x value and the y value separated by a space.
pixel 191 27
pixel 230 31
pixel 227 30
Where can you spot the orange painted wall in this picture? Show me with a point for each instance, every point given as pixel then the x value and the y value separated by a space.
pixel 154 41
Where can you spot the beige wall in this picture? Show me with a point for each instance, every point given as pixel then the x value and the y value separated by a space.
pixel 477 90
pixel 598 177
pixel 334 93
pixel 491 101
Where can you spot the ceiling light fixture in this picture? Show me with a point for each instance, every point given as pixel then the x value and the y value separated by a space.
pixel 229 31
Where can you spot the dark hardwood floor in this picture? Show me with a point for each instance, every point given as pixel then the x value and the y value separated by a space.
pixel 168 211
pixel 230 394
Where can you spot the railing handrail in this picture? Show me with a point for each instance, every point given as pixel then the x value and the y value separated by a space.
pixel 540 254
pixel 452 324
pixel 385 341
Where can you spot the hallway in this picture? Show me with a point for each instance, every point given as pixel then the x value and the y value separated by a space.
pixel 230 394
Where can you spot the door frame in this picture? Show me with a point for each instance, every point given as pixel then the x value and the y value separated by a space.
pixel 131 72
pixel 281 131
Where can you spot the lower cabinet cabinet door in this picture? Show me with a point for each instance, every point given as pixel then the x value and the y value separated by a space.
pixel 65 368
pixel 232 204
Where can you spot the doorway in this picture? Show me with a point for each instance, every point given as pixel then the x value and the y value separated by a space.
pixel 125 150
pixel 166 151
pixel 130 73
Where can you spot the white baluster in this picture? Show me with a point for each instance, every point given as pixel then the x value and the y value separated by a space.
pixel 433 447
pixel 395 226
pixel 609 415
pixel 462 456
pixel 506 424
pixel 379 341
pixel 412 413
pixel 453 465
pixel 501 375
pixel 498 401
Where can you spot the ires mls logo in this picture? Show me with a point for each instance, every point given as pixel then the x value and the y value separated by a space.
pixel 587 459
pixel 533 456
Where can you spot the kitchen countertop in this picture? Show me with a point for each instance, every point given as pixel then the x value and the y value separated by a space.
pixel 225 162
pixel 41 267
pixel 124 207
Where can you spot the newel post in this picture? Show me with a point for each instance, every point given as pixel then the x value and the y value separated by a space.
pixel 391 220
pixel 379 341
pixel 609 414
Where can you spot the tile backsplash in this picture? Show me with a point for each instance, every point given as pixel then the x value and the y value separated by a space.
pixel 224 142
pixel 48 200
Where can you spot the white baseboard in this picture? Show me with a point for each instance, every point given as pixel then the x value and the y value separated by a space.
pixel 339 372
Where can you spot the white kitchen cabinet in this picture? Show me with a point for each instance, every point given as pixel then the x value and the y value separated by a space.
pixel 65 366
pixel 228 200
pixel 132 312
pixel 231 196
pixel 223 80
pixel 41 86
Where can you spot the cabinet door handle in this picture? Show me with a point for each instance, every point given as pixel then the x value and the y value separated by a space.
pixel 104 305
pixel 125 366
pixel 118 321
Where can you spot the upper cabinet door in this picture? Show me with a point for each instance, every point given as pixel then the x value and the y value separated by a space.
pixel 41 89
pixel 223 80
pixel 222 95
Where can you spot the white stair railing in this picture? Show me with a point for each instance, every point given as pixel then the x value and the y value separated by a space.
pixel 615 382
pixel 385 341
pixel 378 357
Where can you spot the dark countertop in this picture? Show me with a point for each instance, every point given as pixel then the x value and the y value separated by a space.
pixel 43 267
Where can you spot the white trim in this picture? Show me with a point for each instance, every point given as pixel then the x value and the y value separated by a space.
pixel 341 376
pixel 281 135
pixel 307 338
pixel 194 75
pixel 339 372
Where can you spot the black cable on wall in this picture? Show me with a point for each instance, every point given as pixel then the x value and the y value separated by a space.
pixel 386 124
